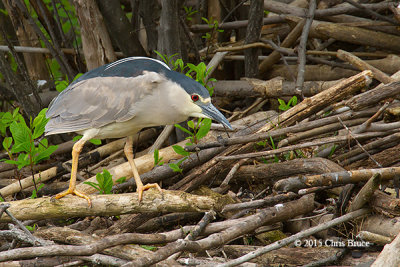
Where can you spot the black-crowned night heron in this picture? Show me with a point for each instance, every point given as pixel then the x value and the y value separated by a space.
pixel 119 99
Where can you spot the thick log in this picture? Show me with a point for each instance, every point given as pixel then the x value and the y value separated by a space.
pixel 385 204
pixel 274 88
pixel 318 102
pixel 109 205
pixel 389 255
pixel 334 178
pixel 353 35
pixel 269 173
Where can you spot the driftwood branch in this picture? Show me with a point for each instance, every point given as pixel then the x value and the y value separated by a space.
pixel 108 205
pixel 333 178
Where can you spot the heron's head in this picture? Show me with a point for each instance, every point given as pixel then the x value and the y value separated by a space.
pixel 197 100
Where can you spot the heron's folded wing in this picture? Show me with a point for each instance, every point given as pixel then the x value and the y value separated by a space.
pixel 95 102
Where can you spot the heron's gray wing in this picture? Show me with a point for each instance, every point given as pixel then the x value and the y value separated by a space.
pixel 93 103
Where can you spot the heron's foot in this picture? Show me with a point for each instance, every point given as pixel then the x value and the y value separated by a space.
pixel 74 192
pixel 140 189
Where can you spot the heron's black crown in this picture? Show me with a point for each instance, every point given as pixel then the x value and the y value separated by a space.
pixel 134 66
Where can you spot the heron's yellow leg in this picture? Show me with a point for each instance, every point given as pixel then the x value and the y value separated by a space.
pixel 139 185
pixel 76 150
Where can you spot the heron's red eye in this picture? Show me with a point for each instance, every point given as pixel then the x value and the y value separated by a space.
pixel 195 98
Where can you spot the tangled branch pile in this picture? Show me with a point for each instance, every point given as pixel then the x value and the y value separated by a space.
pixel 310 182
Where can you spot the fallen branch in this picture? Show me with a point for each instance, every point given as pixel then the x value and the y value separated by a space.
pixel 318 142
pixel 271 215
pixel 108 205
pixel 298 236
pixel 319 101
pixel 333 178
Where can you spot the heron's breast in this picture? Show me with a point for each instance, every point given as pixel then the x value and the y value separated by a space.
pixel 117 130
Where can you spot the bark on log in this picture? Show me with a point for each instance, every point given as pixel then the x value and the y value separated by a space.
pixel 120 29
pixel 318 102
pixel 373 96
pixel 97 47
pixel 334 178
pixel 385 204
pixel 389 255
pixel 109 205
pixel 283 256
pixel 353 35
pixel 274 88
pixel 269 173
pixel 381 225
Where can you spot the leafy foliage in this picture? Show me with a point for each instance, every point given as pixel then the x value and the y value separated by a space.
pixel 197 132
pixel 104 182
pixel 201 73
pixel 157 159
pixel 291 103
pixel 23 141
pixel 189 12
pixel 7 118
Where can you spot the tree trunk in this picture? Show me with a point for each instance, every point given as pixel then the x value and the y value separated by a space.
pixel 256 13
pixel 97 47
pixel 168 32
pixel 120 29
pixel 35 63
pixel 150 13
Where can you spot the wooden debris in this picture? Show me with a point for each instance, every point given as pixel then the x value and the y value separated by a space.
pixel 309 175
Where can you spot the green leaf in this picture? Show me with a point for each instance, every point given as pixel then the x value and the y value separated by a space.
pixel 183 129
pixel 95 141
pixel 121 180
pixel 190 124
pixel 105 182
pixel 61 85
pixel 294 100
pixel 7 118
pixel 94 185
pixel 272 142
pixel 281 102
pixel 4 11
pixel 45 154
pixel 151 248
pixel 22 137
pixel 157 159
pixel 204 129
pixel 77 137
pixel 22 161
pixel 39 124
pixel 180 150
pixel 156 155
pixel 205 20
pixel 7 143
pixel 77 76
pixel 34 192
pixel 175 167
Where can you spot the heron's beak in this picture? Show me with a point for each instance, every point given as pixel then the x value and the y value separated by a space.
pixel 212 112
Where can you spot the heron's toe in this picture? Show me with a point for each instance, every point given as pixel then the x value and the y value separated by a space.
pixel 73 192
pixel 142 188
